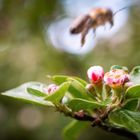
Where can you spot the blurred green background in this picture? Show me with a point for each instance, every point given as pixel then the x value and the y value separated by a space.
pixel 25 56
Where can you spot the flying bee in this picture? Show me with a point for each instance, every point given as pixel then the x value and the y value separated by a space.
pixel 93 19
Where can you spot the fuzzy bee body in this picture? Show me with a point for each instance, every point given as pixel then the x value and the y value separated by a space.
pixel 101 16
pixel 95 18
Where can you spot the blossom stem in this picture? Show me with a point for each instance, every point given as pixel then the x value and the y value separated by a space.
pixel 99 88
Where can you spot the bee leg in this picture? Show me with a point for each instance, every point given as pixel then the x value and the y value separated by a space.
pixel 94 32
pixel 83 36
pixel 111 23
pixel 88 25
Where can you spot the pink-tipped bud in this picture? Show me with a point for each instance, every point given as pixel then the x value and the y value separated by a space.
pixel 51 89
pixel 116 78
pixel 95 74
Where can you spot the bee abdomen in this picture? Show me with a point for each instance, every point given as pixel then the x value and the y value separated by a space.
pixel 79 24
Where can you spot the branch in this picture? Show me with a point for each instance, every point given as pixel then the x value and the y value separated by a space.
pixel 83 117
pixel 119 131
pixel 95 122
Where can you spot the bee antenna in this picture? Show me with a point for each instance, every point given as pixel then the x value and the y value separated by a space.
pixel 119 10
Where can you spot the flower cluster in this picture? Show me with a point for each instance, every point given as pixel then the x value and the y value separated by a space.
pixel 115 78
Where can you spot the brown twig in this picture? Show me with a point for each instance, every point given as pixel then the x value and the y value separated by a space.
pixel 117 131
pixel 83 117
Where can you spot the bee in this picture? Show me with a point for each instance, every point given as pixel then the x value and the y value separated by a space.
pixel 93 19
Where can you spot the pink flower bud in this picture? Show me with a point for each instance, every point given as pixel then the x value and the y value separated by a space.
pixel 95 74
pixel 51 88
pixel 116 78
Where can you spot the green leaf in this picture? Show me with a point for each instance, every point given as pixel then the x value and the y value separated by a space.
pixel 77 87
pixel 138 135
pixel 133 92
pixel 73 130
pixel 119 67
pixel 81 104
pixel 36 92
pixel 22 93
pixel 59 93
pixel 59 79
pixel 135 75
pixel 126 119
pixel 77 90
pixel 83 82
pixel 131 105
